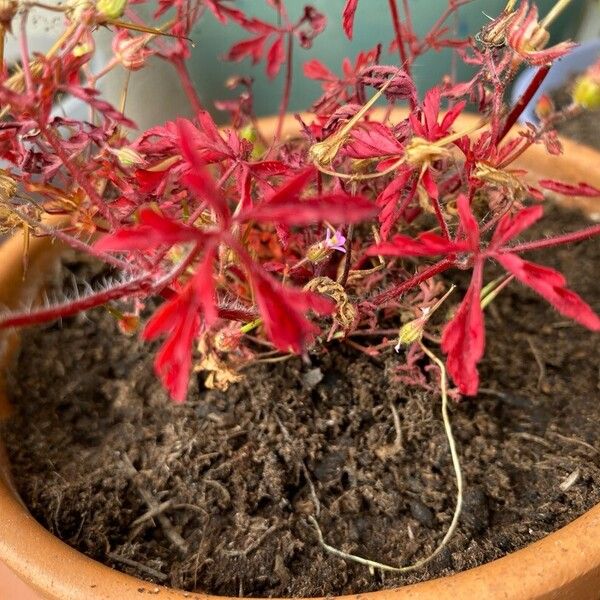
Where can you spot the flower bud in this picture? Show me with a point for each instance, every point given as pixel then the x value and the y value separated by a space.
pixel 318 252
pixel 586 92
pixel 111 9
pixel 321 250
pixel 544 107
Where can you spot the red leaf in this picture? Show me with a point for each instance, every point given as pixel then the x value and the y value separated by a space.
pixel 198 180
pixel 335 208
pixel 463 339
pixel 388 200
pixel 149 180
pixel 373 140
pixel 208 126
pixel 222 12
pixel 431 109
pixel 153 230
pixel 283 311
pixel 179 319
pixel 510 227
pixel 292 187
pixel 348 17
pixel 426 244
pixel 253 47
pixel 91 97
pixel 426 124
pixel 268 167
pixel 551 285
pixel 468 222
pixel 275 57
pixel 566 189
pixel 430 186
pixel 451 116
pixel 191 142
pixel 315 69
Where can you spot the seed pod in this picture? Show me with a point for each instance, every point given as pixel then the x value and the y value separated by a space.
pixel 318 252
pixel 412 331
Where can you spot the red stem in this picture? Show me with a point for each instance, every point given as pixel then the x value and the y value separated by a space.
pixel 422 46
pixel 409 26
pixel 285 100
pixel 44 315
pixel 188 86
pixel 398 31
pixel 68 309
pixel 568 238
pixel 428 273
pixel 524 100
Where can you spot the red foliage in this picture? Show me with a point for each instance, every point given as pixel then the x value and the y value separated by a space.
pixel 230 227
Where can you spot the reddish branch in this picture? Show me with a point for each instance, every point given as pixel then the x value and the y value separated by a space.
pixel 567 238
pixel 401 288
pixel 524 100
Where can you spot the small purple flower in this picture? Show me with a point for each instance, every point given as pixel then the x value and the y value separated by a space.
pixel 335 242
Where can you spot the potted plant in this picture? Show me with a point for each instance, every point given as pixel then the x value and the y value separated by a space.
pixel 239 248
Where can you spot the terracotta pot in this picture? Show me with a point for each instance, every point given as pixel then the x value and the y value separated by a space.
pixel 564 565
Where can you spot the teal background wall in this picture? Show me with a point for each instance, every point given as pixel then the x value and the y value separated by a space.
pixel 372 25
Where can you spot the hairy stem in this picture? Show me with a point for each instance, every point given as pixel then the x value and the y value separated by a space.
pixel 72 307
pixel 398 32
pixel 408 284
pixel 567 238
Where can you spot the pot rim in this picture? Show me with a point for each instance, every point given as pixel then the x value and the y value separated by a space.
pixel 562 565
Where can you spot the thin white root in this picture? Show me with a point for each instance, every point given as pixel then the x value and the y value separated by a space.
pixel 459 493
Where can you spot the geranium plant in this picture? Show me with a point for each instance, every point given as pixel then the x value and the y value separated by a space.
pixel 259 244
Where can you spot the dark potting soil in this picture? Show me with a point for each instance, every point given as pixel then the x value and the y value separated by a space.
pixel 97 448
pixel 585 127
